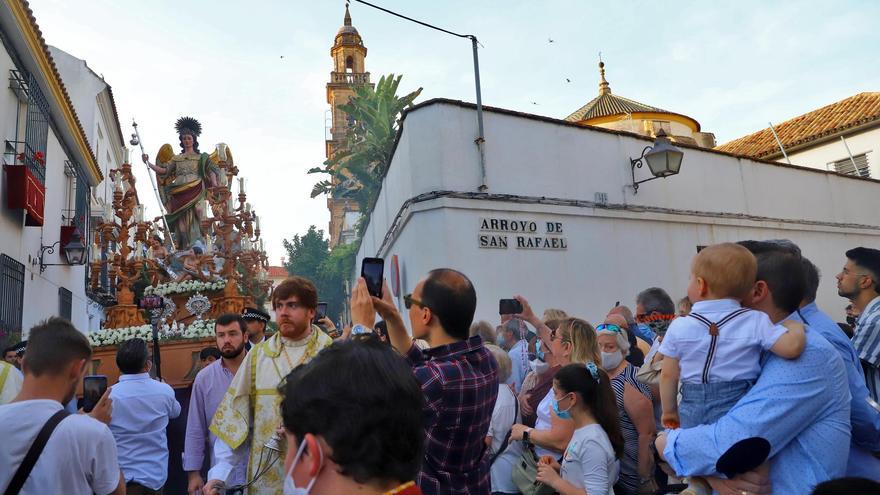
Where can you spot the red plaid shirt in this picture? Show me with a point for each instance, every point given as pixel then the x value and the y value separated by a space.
pixel 460 384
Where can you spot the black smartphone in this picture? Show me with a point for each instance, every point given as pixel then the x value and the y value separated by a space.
pixel 94 387
pixel 509 307
pixel 372 270
pixel 321 312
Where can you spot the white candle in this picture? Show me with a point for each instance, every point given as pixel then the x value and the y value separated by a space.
pixel 230 206
pixel 117 182
pixel 258 222
pixel 125 156
pixel 221 151
pixel 241 185
pixel 247 207
pixel 138 250
pixel 150 254
pixel 209 245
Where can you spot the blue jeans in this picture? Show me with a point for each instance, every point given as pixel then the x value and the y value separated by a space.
pixel 705 403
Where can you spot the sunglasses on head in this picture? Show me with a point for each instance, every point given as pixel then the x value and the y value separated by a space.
pixel 608 327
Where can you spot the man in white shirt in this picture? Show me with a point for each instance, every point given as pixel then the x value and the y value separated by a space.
pixel 142 408
pixel 80 455
pixel 512 338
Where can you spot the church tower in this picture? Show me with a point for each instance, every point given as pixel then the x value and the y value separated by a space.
pixel 348 53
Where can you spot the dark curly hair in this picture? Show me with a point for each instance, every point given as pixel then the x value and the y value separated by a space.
pixel 344 395
pixel 195 142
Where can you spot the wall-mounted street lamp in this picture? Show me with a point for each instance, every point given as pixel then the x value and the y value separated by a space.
pixel 74 251
pixel 663 159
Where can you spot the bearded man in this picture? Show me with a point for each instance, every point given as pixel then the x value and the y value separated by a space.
pixel 248 415
pixel 209 388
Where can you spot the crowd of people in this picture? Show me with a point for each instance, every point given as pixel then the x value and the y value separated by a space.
pixel 744 386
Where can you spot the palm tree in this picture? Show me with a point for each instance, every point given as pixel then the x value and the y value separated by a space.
pixel 356 170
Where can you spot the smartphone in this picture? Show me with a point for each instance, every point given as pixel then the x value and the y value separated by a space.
pixel 94 387
pixel 509 307
pixel 321 312
pixel 372 270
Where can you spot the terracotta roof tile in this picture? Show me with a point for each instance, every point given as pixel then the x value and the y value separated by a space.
pixel 851 112
pixel 277 272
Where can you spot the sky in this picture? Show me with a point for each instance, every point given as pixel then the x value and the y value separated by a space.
pixel 254 73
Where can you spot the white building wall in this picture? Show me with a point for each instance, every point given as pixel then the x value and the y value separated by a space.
pixel 41 298
pixel 613 252
pixel 822 155
pixel 91 98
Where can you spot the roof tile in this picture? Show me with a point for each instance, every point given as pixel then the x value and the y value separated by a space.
pixel 854 111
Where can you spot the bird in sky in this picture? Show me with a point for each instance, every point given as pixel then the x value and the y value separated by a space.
pixel 550 40
pixel 534 103
pixel 567 80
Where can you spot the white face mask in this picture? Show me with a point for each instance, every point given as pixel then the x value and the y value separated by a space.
pixel 289 487
pixel 611 360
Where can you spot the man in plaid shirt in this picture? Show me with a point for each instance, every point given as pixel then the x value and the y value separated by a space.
pixel 458 376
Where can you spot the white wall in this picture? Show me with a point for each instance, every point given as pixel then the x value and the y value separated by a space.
pixel 831 151
pixel 613 252
pixel 23 243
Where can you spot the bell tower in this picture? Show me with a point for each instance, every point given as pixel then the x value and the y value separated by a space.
pixel 348 53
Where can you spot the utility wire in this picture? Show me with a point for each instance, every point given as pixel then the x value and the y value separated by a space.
pixel 470 36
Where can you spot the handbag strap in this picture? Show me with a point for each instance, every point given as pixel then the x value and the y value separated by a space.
pixel 33 453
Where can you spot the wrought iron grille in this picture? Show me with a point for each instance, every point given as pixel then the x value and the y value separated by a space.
pixel 36 129
pixel 11 298
pixel 65 303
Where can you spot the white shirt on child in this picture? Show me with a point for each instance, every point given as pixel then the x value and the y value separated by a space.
pixel 589 461
pixel 737 348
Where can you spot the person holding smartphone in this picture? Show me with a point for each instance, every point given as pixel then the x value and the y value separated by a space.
pixel 56 360
pixel 457 374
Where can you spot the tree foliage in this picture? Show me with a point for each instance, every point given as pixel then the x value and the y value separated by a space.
pixel 356 170
pixel 309 256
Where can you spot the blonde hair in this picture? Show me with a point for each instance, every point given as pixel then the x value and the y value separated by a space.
pixel 503 360
pixel 484 329
pixel 582 336
pixel 728 269
pixel 554 314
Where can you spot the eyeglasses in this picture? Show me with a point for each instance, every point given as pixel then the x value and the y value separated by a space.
pixel 409 300
pixel 608 327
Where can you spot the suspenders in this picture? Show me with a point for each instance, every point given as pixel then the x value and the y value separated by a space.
pixel 714 327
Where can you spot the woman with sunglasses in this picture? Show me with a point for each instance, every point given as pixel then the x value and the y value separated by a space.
pixel 573 342
pixel 635 409
pixel 589 466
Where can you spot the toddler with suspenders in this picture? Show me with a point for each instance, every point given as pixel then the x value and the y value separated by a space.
pixel 715 351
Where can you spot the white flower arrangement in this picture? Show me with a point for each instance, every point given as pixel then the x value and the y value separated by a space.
pixel 184 287
pixel 196 330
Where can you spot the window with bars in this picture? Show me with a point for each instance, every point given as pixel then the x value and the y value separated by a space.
pixel 78 209
pixel 35 121
pixel 846 166
pixel 11 298
pixel 65 303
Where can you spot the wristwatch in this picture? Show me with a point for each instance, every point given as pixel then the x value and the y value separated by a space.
pixel 526 435
pixel 360 330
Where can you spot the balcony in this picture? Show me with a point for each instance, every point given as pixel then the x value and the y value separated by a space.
pixel 25 176
pixel 350 77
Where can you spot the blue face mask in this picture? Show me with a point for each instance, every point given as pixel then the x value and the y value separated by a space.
pixel 562 414
pixel 538 352
pixel 500 340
